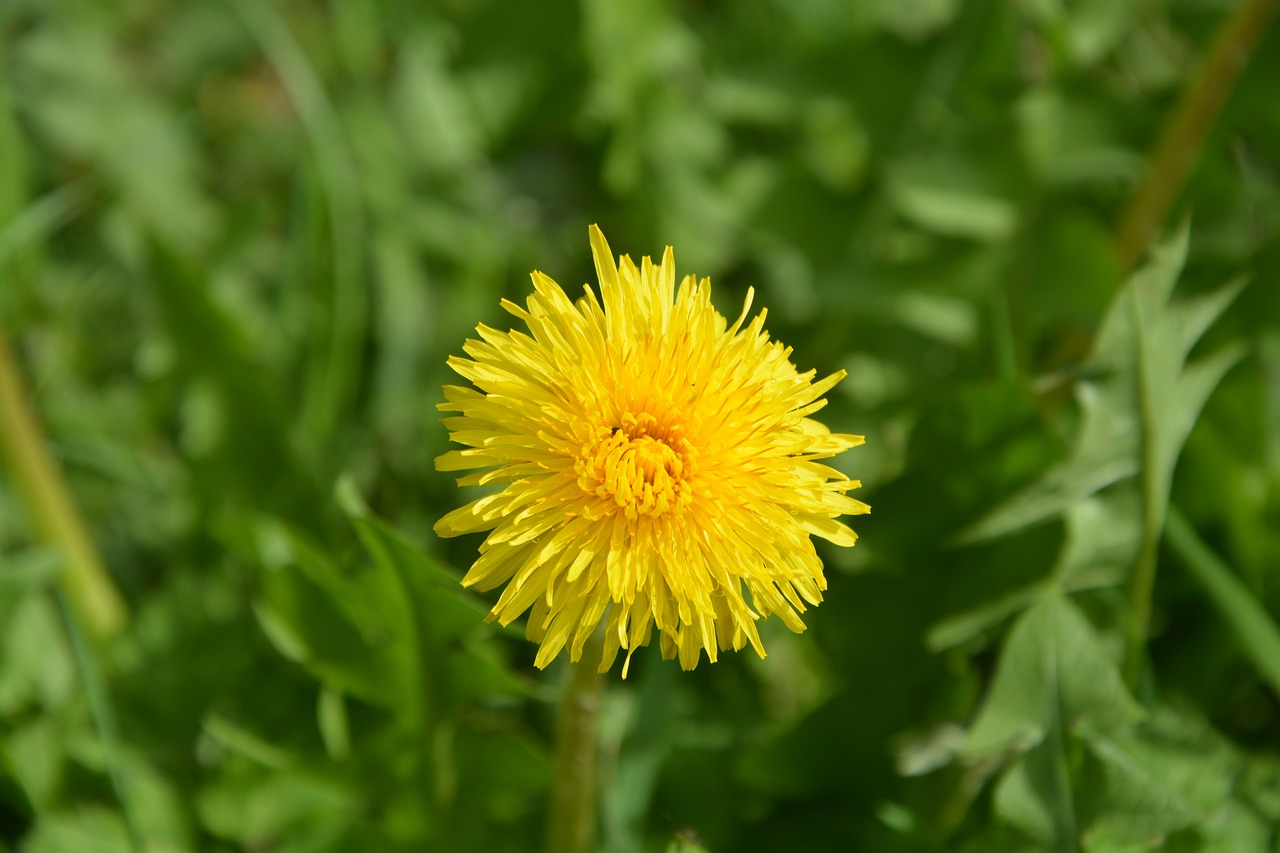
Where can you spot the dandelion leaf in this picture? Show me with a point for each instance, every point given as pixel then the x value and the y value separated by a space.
pixel 1033 796
pixel 444 619
pixel 1054 676
pixel 1136 387
pixel 1101 543
pixel 1141 784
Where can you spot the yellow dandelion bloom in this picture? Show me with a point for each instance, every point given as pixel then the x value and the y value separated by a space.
pixel 658 467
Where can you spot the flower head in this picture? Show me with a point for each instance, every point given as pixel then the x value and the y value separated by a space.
pixel 657 466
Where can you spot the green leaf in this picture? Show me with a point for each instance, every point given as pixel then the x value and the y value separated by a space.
pixel 36 754
pixel 253 456
pixel 951 210
pixel 286 810
pixel 1034 795
pixel 448 618
pixel 1138 788
pixel 1233 826
pixel 1139 785
pixel 91 106
pixel 1054 675
pixel 397 631
pixel 961 628
pixel 1136 390
pixel 331 713
pixel 238 739
pixel 90 829
pixel 452 612
pixel 1100 546
pixel 24 575
pixel 1102 540
pixel 1171 394
pixel 1091 29
pixel 1105 453
pixel 36 660
pixel 308 627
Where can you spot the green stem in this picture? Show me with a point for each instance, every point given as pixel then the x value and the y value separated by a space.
pixel 1140 593
pixel 573 789
pixel 1188 126
pixel 84 580
pixel 1181 140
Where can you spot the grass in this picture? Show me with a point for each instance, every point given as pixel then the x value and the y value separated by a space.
pixel 238 242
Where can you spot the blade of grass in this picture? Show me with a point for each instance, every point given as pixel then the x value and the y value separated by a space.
pixel 1254 629
pixel 104 721
pixel 84 579
pixel 331 386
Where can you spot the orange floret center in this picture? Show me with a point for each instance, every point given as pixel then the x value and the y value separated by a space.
pixel 643 466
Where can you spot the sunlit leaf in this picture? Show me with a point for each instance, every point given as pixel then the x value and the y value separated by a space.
pixel 1138 391
pixel 1034 795
pixel 1054 676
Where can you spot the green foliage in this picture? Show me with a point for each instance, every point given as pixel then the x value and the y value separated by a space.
pixel 238 241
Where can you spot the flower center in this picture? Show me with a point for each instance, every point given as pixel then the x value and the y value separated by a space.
pixel 642 466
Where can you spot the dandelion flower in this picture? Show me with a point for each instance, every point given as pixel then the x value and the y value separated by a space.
pixel 658 467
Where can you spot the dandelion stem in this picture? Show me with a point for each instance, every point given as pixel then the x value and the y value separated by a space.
pixel 84 580
pixel 573 788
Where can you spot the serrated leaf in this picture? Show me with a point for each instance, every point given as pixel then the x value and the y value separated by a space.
pixel 1137 389
pixel 1100 545
pixel 1192 317
pixel 960 628
pixel 1171 394
pixel 1054 675
pixel 1155 779
pixel 1195 385
pixel 1105 453
pixel 1101 541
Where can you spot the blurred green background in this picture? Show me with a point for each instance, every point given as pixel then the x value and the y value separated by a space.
pixel 238 240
